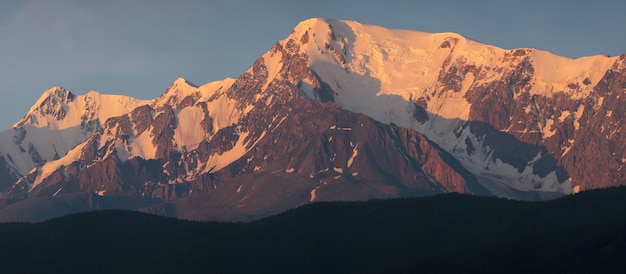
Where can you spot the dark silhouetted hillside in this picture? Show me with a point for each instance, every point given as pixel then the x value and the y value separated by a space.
pixel 451 233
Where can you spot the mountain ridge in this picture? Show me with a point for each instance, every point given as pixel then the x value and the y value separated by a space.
pixel 461 117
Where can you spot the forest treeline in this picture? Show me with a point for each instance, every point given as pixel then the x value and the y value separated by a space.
pixel 582 233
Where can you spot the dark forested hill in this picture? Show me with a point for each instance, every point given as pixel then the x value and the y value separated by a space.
pixel 446 233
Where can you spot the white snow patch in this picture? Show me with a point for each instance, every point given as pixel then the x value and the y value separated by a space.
pixel 340 128
pixel 209 89
pixel 218 161
pixel 554 73
pixel 50 167
pixel 141 146
pixel 568 147
pixel 289 170
pixel 308 88
pixel 450 105
pixel 527 109
pixel 313 192
pixel 355 152
pixel 224 112
pixel 579 114
pixel 57 192
pixel 599 103
pixel 338 170
pixel 564 115
pixel 526 180
pixel 188 132
pixel 279 122
pixel 121 150
pixel 547 129
pixel 164 167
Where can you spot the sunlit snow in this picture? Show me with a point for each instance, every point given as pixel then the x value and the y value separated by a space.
pixel 355 152
pixel 360 63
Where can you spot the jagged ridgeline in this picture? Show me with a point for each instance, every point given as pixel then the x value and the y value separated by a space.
pixel 338 110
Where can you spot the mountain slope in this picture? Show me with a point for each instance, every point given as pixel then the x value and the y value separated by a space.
pixel 338 110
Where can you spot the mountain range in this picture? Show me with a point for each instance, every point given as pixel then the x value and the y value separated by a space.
pixel 337 111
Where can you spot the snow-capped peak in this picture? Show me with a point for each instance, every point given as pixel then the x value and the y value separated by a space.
pixel 383 72
pixel 362 62
pixel 183 81
pixel 306 25
pixel 53 102
pixel 554 73
pixel 57 92
pixel 58 108
pixel 182 93
pixel 176 93
pixel 57 122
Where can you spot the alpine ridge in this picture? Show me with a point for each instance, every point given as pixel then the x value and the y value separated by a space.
pixel 338 110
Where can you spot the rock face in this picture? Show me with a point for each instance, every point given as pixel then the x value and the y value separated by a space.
pixel 336 111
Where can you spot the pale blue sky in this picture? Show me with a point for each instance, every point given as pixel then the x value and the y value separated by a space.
pixel 138 47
